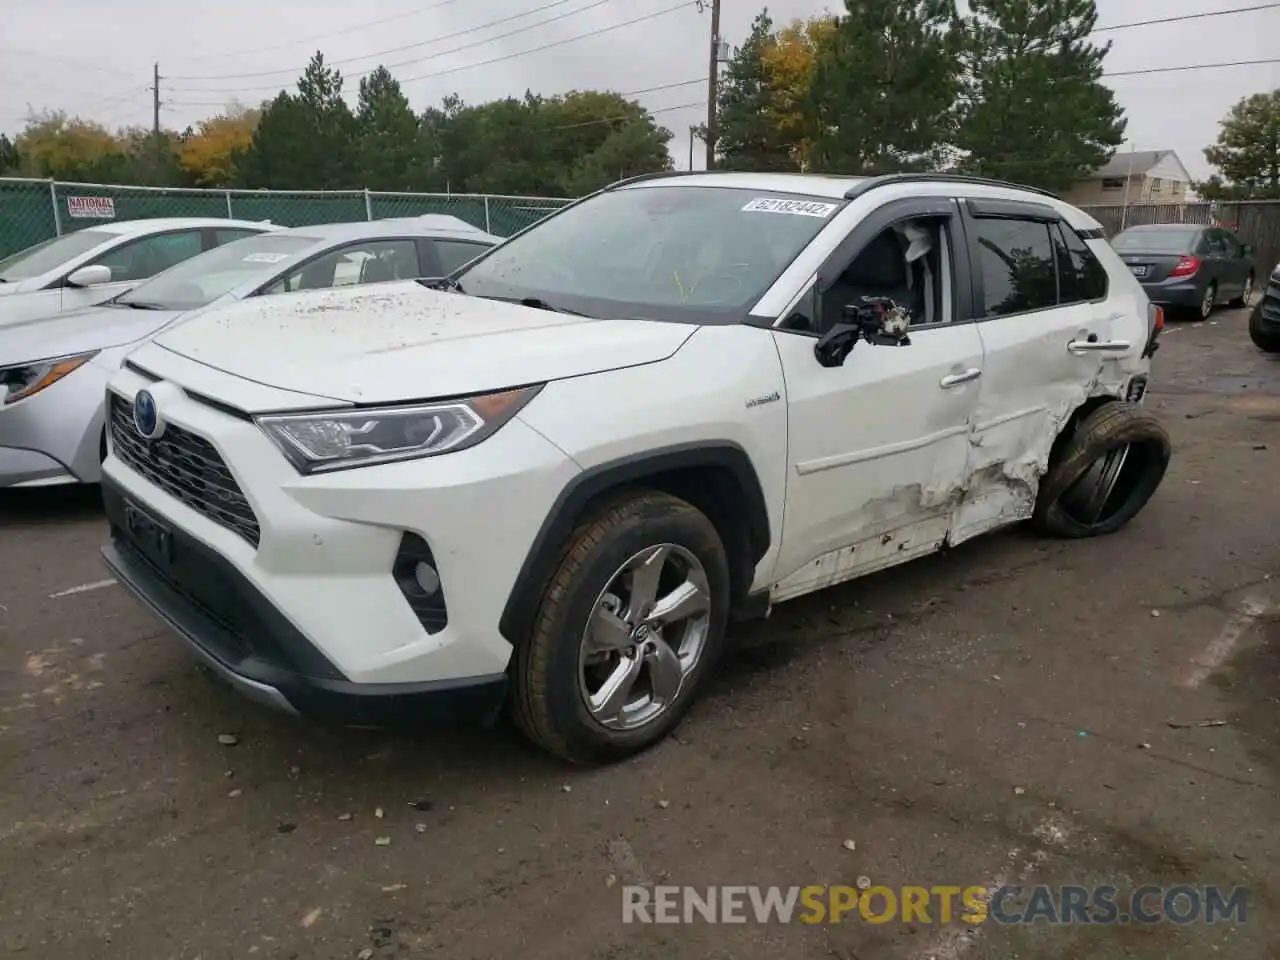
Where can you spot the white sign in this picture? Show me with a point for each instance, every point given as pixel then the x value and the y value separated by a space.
pixel 797 208
pixel 91 208
pixel 265 257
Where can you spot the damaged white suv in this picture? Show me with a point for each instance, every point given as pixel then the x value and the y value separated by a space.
pixel 552 478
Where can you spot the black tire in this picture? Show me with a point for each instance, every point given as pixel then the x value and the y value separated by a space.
pixel 547 703
pixel 1106 430
pixel 1264 339
pixel 1243 299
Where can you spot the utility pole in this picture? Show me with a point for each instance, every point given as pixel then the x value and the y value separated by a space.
pixel 713 82
pixel 155 102
pixel 693 135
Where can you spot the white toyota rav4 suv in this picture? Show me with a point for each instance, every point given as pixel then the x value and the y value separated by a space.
pixel 552 478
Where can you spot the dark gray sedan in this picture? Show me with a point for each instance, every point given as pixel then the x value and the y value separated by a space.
pixel 1188 268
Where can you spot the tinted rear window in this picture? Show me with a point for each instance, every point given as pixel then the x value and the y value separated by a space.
pixel 1154 241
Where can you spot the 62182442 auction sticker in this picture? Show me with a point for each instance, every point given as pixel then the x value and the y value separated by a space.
pixel 797 208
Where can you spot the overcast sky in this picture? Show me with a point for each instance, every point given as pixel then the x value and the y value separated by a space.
pixel 95 59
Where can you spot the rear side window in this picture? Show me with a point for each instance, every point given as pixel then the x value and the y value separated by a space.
pixel 1016 260
pixel 1081 276
pixel 454 254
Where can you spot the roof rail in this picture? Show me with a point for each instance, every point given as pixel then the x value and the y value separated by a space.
pixel 656 175
pixel 889 179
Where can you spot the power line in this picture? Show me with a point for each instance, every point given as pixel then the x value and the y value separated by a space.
pixel 410 46
pixel 324 36
pixel 628 93
pixel 1193 66
pixel 1187 16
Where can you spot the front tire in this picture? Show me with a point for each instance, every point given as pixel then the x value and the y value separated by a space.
pixel 1105 474
pixel 1264 339
pixel 630 623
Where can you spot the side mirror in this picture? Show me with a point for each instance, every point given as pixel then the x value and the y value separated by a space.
pixel 877 320
pixel 90 276
pixel 833 347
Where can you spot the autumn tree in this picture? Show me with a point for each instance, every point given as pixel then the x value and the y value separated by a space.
pixel 884 87
pixel 1036 110
pixel 207 154
pixel 790 57
pixel 1247 152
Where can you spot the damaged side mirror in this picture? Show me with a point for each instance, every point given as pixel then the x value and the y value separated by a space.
pixel 877 320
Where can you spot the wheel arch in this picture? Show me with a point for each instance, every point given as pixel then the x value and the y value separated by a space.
pixel 717 477
pixel 1069 425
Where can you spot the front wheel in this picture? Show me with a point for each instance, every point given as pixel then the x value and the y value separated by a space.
pixel 1106 473
pixel 631 621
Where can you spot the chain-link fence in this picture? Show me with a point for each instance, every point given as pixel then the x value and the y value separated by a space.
pixel 35 210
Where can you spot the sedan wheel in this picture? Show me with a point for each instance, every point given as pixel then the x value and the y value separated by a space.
pixel 1208 300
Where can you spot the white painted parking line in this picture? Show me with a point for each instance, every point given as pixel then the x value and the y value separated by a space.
pixel 1221 646
pixel 83 588
pixel 955 941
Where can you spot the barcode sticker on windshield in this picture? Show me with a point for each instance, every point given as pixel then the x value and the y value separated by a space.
pixel 798 208
pixel 265 257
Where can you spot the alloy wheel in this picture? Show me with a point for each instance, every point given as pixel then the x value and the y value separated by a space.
pixel 645 635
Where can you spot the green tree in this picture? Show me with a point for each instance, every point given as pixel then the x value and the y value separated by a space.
pixel 597 137
pixel 746 136
pixel 884 87
pixel 1247 152
pixel 389 150
pixel 1036 110
pixel 303 141
pixel 10 159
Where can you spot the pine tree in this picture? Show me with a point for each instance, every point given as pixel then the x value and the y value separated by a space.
pixel 1036 111
pixel 390 149
pixel 884 87
pixel 746 137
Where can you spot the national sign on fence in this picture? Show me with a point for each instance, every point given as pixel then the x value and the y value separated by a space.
pixel 91 208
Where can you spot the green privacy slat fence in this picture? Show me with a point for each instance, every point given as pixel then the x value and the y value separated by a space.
pixel 35 210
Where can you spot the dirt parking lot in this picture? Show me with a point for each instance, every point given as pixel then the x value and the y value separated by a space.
pixel 1000 715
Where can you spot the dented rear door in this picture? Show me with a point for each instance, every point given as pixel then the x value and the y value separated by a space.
pixel 1042 355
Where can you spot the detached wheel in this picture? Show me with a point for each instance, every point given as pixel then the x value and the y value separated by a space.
pixel 1245 295
pixel 632 620
pixel 1105 473
pixel 1263 337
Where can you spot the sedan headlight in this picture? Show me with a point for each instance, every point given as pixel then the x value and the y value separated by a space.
pixel 27 379
pixel 337 440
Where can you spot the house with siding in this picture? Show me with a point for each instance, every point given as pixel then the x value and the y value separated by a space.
pixel 1154 176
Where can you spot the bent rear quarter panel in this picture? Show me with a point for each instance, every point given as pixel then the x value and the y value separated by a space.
pixel 724 385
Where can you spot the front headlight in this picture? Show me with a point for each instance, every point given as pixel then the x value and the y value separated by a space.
pixel 337 440
pixel 27 379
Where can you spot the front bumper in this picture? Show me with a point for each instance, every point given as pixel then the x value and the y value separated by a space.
pixel 307 613
pixel 254 647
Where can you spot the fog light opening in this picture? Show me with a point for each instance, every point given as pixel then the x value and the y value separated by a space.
pixel 416 574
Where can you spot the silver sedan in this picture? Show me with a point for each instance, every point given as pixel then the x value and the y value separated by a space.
pixel 53 371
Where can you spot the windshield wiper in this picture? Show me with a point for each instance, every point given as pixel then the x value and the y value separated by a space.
pixel 539 304
pixel 143 305
pixel 442 283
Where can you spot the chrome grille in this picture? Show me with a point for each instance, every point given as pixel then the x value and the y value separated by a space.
pixel 185 466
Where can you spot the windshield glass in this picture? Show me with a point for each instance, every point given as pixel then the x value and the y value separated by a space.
pixel 1154 241
pixel 204 278
pixel 50 254
pixel 661 252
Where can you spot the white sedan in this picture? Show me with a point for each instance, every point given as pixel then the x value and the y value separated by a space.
pixel 90 266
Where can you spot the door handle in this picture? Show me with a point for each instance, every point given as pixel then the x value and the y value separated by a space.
pixel 1105 346
pixel 955 379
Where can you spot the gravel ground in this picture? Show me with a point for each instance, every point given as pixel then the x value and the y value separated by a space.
pixel 1000 714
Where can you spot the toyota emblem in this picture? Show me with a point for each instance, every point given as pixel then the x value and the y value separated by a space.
pixel 145 415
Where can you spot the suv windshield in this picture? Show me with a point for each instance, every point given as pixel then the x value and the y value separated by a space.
pixel 50 254
pixel 1155 241
pixel 657 252
pixel 204 278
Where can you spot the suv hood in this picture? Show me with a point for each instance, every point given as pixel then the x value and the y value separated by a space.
pixel 93 328
pixel 404 341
